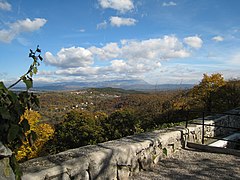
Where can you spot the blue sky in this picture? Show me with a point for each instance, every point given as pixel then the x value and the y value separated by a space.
pixel 159 41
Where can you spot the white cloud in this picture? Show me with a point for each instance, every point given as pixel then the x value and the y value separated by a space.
pixel 5 6
pixel 16 28
pixel 218 38
pixel 119 66
pixel 194 41
pixel 109 51
pixel 171 3
pixel 119 5
pixel 102 25
pixel 118 21
pixel 126 59
pixel 133 51
pixel 78 71
pixel 70 57
pixel 28 25
pixel 155 49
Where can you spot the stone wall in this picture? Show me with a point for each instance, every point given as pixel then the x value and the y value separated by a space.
pixel 6 172
pixel 117 159
pixel 120 159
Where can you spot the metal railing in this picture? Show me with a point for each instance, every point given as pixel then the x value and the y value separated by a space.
pixel 204 113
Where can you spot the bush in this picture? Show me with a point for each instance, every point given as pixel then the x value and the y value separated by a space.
pixel 122 123
pixel 79 128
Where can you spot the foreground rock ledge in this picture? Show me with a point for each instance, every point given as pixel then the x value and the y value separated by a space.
pixel 116 159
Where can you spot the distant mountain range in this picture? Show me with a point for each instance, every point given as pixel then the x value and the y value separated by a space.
pixel 123 84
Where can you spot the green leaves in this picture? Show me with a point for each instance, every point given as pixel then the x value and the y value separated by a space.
pixel 28 82
pixel 33 69
pixel 12 107
pixel 4 113
pixel 13 132
pixel 2 86
pixel 25 125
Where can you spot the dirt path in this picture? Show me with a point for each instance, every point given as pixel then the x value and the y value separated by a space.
pixel 193 164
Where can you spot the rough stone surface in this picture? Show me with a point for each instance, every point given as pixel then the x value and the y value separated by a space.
pixel 6 172
pixel 195 131
pixel 117 159
pixel 120 159
pixel 192 164
pixel 4 151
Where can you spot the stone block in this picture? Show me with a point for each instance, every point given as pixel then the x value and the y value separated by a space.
pixel 123 172
pixel 6 172
pixel 4 151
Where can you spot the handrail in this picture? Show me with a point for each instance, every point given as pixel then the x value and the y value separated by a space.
pixel 203 123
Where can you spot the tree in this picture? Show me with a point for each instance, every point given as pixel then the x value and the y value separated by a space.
pixel 207 88
pixel 79 128
pixel 228 96
pixel 122 123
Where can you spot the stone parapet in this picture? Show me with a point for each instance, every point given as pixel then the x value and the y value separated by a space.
pixel 120 159
pixel 116 159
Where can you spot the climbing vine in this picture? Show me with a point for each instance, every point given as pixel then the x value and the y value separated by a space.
pixel 12 107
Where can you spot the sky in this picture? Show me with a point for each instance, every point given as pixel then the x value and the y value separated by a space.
pixel 158 41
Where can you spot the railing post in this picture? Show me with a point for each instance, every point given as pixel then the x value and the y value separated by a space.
pixel 203 119
pixel 187 119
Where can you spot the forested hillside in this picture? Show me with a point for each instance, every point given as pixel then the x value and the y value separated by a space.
pixel 95 115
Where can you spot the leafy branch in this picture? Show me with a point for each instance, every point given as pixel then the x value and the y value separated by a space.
pixel 27 77
pixel 12 107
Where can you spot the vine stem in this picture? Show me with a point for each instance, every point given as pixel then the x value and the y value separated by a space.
pixel 29 70
pixel 14 84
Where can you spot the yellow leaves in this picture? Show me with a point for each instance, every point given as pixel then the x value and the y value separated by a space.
pixel 181 104
pixel 212 82
pixel 207 88
pixel 209 83
pixel 44 133
pixel 32 117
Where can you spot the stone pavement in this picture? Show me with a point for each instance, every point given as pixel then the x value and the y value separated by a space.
pixel 194 165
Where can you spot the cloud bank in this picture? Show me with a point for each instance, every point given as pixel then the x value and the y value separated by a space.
pixel 128 58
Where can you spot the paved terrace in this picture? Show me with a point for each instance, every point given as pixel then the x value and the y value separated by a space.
pixel 191 164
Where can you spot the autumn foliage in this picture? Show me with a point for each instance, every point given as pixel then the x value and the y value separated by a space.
pixel 126 114
pixel 28 149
